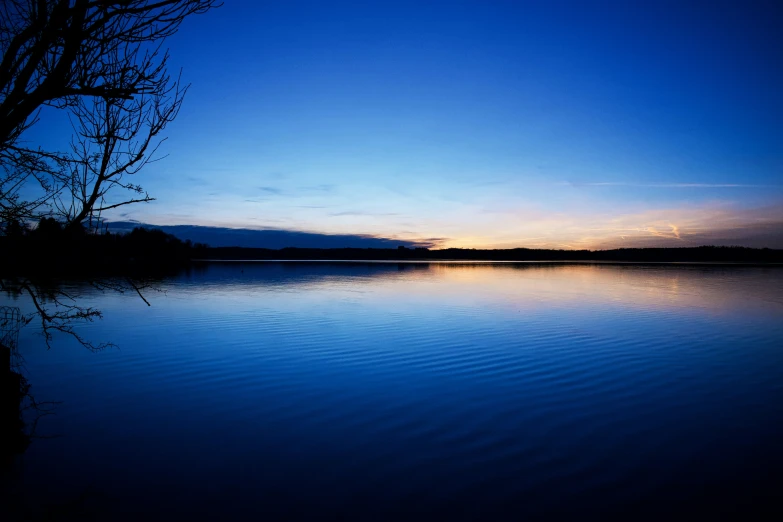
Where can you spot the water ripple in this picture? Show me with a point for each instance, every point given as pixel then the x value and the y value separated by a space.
pixel 467 391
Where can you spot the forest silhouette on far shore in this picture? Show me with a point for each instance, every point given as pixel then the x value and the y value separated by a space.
pixel 53 249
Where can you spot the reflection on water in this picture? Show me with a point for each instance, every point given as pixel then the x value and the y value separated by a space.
pixel 386 390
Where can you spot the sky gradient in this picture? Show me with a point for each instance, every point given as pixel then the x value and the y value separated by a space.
pixel 479 124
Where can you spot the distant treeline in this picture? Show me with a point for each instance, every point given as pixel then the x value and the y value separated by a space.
pixel 701 254
pixel 51 249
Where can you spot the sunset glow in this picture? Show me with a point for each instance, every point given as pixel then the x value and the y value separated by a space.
pixel 532 124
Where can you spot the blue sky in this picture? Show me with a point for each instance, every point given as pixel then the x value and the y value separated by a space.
pixel 482 124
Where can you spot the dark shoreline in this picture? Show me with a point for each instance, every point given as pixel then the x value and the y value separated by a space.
pixel 52 268
pixel 487 262
pixel 54 254
pixel 704 254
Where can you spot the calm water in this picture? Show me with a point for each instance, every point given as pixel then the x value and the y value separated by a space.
pixel 393 391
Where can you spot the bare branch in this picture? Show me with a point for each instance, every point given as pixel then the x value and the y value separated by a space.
pixel 104 62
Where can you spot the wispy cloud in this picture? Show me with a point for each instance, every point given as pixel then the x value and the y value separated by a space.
pixel 213 169
pixel 278 237
pixel 695 226
pixel 674 233
pixel 197 181
pixel 297 192
pixel 662 185
pixel 271 190
pixel 326 187
pixel 675 226
pixel 362 213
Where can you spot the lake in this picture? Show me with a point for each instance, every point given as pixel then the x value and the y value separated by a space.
pixel 369 391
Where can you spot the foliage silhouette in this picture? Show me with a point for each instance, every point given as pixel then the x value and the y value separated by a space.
pixel 703 254
pixel 50 253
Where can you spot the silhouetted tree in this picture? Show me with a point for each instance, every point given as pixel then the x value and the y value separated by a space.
pixel 48 229
pixel 103 63
pixel 101 60
pixel 14 228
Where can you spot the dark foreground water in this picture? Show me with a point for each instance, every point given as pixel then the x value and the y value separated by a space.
pixel 408 391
